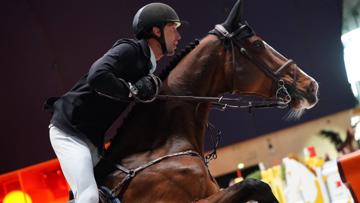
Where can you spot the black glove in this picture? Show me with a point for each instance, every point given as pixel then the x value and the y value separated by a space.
pixel 145 88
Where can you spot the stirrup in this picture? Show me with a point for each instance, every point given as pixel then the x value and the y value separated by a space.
pixel 109 196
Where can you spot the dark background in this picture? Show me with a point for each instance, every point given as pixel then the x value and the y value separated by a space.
pixel 46 46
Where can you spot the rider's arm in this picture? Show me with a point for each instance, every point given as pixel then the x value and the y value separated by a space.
pixel 105 74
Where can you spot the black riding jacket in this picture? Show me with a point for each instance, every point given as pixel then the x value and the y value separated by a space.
pixel 82 110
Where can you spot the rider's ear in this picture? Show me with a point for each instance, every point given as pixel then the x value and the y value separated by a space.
pixel 156 31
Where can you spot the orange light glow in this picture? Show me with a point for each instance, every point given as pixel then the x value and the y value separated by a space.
pixel 17 196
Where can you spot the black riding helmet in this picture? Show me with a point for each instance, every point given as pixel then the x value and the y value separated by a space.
pixel 154 14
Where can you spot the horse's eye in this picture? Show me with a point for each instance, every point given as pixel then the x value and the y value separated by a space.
pixel 258 44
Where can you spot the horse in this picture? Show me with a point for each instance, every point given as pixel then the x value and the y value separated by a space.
pixel 158 153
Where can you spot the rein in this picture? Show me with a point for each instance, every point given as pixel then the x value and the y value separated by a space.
pixel 282 96
pixel 224 102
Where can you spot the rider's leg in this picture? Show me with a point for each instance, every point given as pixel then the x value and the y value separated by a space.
pixel 77 157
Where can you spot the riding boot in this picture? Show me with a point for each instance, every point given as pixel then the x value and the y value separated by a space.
pixel 107 196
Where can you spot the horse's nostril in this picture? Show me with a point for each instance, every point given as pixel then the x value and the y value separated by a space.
pixel 313 87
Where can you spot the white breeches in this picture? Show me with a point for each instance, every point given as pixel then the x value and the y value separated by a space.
pixel 77 157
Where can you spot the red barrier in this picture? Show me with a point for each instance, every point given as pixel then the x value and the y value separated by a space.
pixel 349 169
pixel 43 182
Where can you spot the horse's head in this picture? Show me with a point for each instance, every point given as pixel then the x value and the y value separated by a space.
pixel 258 69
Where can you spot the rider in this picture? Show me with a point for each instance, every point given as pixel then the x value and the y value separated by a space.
pixel 83 115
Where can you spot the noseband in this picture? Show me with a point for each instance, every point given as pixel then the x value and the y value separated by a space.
pixel 282 95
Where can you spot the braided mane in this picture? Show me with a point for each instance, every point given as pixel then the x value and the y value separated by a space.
pixel 172 64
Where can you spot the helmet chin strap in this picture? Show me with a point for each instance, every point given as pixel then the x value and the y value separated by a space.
pixel 162 42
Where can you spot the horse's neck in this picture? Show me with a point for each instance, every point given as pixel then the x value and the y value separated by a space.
pixel 201 72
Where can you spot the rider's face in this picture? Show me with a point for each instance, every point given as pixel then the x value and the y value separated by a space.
pixel 172 37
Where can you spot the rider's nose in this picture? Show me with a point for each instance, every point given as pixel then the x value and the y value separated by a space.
pixel 178 35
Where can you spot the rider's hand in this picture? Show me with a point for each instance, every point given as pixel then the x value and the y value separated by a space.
pixel 145 88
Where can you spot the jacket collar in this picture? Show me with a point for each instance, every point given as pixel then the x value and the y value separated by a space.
pixel 145 48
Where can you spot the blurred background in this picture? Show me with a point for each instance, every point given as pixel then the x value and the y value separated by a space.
pixel 46 46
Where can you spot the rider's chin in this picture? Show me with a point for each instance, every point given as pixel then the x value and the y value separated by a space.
pixel 170 53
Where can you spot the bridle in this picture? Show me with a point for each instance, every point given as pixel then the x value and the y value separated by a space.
pixel 282 96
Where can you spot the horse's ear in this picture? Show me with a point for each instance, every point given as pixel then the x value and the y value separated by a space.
pixel 235 17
